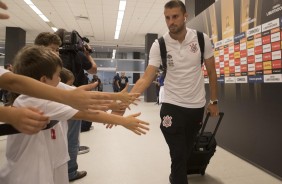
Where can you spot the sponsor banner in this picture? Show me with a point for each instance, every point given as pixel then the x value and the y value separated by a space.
pixel 251 51
pixel 243 46
pixel 230 79
pixel 275 46
pixel 218 44
pixel 237 69
pixel 276 55
pixel 251 59
pixel 220 79
pixel 275 37
pixel 239 36
pixel 266 39
pixel 276 64
pixel 231 62
pixel 253 31
pixel 231 56
pixel 266 48
pixel 251 67
pixel 256 79
pixel 267 65
pixel 258 58
pixel 242 79
pixel 270 25
pixel 226 57
pixel 273 78
pixel 258 50
pixel 243 61
pixel 259 66
pixel 276 71
pixel 258 42
pixel 267 56
pixel 231 49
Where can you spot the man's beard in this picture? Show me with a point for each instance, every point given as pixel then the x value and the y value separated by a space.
pixel 174 29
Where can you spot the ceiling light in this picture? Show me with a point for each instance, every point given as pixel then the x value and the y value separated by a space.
pixel 122 5
pixel 54 29
pixel 36 10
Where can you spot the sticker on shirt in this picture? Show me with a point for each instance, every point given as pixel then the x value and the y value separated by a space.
pixel 170 60
pixel 167 121
pixel 193 47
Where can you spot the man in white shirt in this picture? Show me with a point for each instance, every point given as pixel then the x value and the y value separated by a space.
pixel 184 93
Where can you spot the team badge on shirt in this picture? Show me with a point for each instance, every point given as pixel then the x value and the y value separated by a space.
pixel 167 121
pixel 170 60
pixel 193 47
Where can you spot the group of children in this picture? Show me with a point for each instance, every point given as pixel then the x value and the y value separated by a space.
pixel 42 157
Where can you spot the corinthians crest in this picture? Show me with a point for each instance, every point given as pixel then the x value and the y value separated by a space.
pixel 167 121
pixel 193 47
pixel 170 60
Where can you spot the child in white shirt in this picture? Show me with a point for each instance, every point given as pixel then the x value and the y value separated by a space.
pixel 42 158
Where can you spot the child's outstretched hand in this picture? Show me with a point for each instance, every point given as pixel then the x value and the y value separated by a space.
pixel 136 125
pixel 127 98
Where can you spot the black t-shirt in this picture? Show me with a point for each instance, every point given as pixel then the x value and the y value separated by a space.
pixel 76 62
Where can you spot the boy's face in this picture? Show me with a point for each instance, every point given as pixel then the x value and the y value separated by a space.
pixel 54 48
pixel 55 79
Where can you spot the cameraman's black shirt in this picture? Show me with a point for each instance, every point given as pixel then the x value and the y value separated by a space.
pixel 76 62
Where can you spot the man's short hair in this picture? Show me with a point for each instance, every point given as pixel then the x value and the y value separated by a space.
pixel 176 4
pixel 47 38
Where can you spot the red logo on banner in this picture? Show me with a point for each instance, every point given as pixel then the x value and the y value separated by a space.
pixel 259 66
pixel 232 69
pixel 258 50
pixel 231 56
pixel 266 39
pixel 237 48
pixel 251 59
pixel 266 56
pixel 275 46
pixel 243 53
pixel 244 68
pixel 276 64
pixel 237 62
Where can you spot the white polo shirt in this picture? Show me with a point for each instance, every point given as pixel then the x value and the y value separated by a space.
pixel 184 82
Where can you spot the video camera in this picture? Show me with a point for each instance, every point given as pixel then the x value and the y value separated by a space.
pixel 72 41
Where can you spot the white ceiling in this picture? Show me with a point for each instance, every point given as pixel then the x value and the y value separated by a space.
pixel 141 17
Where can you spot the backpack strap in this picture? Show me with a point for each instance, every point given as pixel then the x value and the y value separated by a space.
pixel 201 42
pixel 163 54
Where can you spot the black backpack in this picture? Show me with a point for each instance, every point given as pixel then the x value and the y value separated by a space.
pixel 163 51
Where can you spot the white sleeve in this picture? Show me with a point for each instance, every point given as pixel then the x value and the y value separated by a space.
pixel 54 110
pixel 65 86
pixel 208 48
pixel 155 55
pixel 2 71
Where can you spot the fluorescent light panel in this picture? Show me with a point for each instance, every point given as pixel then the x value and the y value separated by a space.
pixel 122 5
pixel 39 13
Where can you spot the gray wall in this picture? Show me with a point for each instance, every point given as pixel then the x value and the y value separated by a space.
pixel 252 125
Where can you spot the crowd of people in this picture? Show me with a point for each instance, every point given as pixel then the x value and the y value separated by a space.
pixel 49 87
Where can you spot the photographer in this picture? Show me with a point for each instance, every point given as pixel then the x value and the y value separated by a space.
pixel 76 58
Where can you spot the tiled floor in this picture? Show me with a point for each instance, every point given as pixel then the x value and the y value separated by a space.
pixel 118 156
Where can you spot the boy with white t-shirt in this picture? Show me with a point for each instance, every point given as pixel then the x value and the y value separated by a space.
pixel 42 158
